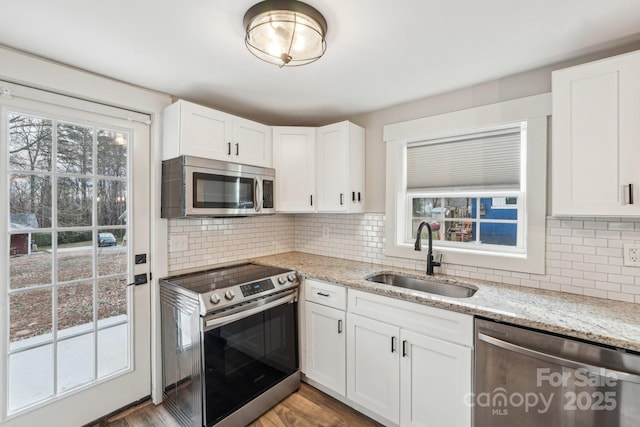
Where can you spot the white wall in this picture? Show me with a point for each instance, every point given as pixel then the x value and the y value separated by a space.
pixel 528 83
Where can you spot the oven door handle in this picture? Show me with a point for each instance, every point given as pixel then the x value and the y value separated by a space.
pixel 221 321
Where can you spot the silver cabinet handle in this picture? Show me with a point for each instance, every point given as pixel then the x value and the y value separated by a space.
pixel 341 199
pixel 340 326
pixel 630 194
pixel 228 148
pixel 311 199
pixel 237 148
pixel 596 370
pixel 322 294
pixel 393 344
pixel 404 348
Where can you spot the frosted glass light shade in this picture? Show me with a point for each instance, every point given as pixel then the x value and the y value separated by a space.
pixel 287 33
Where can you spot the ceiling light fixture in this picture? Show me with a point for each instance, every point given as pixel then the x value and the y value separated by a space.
pixel 287 33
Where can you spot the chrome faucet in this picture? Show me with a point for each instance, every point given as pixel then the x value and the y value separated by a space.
pixel 418 247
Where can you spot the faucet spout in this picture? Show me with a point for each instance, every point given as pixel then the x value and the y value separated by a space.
pixel 418 247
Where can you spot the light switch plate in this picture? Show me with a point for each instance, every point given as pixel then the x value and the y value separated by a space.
pixel 631 255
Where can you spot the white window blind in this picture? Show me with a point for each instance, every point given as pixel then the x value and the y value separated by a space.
pixel 483 159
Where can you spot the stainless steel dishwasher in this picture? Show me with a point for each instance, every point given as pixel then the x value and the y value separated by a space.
pixel 530 378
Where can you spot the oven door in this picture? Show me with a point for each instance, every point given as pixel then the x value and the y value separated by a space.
pixel 248 352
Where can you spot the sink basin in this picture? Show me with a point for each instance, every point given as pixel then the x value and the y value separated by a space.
pixel 424 285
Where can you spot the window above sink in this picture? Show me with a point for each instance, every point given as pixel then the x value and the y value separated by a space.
pixel 478 177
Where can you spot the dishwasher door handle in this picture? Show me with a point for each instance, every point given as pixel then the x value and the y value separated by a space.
pixel 597 370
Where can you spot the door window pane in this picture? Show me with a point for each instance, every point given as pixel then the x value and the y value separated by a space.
pixel 113 350
pixel 75 362
pixel 112 202
pixel 75 307
pixel 112 152
pixel 30 316
pixel 75 255
pixel 30 259
pixel 112 298
pixel 30 141
pixel 112 252
pixel 75 202
pixel 75 149
pixel 30 377
pixel 30 201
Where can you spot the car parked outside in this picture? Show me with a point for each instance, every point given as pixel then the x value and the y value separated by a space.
pixel 106 239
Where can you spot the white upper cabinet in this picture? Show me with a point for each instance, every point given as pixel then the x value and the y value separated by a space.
pixel 596 138
pixel 340 160
pixel 191 129
pixel 294 161
pixel 251 143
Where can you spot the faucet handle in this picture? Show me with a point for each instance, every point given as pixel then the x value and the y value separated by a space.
pixel 435 263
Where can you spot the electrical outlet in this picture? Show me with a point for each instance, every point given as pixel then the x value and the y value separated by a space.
pixel 631 255
pixel 325 232
pixel 178 243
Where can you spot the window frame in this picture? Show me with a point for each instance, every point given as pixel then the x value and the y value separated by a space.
pixel 534 111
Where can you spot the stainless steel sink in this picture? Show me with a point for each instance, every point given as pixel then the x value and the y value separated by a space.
pixel 424 285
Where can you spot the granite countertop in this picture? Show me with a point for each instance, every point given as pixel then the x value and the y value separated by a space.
pixel 604 321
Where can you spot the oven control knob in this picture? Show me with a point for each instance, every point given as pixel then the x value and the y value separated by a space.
pixel 214 298
pixel 291 277
pixel 229 294
pixel 282 280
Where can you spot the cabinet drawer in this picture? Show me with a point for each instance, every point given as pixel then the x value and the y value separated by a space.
pixel 435 322
pixel 327 294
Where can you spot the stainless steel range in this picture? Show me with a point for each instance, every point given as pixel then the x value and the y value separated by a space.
pixel 229 344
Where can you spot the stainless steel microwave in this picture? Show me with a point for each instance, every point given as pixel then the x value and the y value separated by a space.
pixel 198 187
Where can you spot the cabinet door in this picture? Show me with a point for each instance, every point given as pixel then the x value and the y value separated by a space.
pixel 595 150
pixel 332 162
pixel 356 168
pixel 435 378
pixel 373 371
pixel 294 160
pixel 251 143
pixel 326 346
pixel 204 132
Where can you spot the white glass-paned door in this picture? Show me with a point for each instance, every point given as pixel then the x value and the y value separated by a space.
pixel 76 340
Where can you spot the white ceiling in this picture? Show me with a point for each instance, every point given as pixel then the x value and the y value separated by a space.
pixel 380 52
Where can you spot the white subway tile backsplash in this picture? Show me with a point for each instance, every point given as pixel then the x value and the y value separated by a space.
pixel 584 256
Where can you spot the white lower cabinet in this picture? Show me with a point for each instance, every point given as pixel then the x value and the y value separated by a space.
pixel 373 375
pixel 325 342
pixel 409 363
pixel 325 339
pixel 435 377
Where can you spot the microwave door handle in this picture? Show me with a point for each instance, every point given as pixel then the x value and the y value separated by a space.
pixel 257 195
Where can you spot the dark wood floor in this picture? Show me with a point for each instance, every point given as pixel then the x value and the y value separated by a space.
pixel 307 407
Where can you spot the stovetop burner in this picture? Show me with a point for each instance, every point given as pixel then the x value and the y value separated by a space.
pixel 224 277
pixel 222 287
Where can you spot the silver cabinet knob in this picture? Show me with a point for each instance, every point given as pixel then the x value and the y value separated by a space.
pixel 229 294
pixel 214 298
